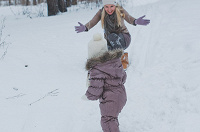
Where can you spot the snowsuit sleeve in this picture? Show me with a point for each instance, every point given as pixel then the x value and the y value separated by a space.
pixel 128 17
pixel 94 20
pixel 124 77
pixel 96 84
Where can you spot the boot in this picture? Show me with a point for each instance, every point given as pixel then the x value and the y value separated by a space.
pixel 124 60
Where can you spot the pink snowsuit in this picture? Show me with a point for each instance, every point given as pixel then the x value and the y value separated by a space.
pixel 106 83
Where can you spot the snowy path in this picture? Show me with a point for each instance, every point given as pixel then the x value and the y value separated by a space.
pixel 163 85
pixel 163 82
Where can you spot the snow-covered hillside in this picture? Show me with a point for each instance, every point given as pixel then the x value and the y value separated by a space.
pixel 42 76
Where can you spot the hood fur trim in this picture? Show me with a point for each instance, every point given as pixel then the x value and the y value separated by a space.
pixel 102 58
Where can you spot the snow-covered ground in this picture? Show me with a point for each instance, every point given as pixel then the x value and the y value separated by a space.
pixel 163 84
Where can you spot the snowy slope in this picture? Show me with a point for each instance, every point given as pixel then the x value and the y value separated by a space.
pixel 163 85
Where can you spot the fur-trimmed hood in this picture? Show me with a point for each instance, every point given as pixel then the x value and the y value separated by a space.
pixel 103 58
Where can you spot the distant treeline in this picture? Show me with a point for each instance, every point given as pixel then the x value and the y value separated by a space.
pixel 35 2
pixel 54 6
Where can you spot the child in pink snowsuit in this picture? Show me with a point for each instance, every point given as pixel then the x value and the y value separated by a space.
pixel 106 81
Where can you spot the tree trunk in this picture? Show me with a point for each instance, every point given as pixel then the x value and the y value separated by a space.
pixel 62 6
pixel 39 1
pixel 52 6
pixel 68 3
pixel 27 2
pixel 23 2
pixel 74 2
pixel 10 2
pixel 34 2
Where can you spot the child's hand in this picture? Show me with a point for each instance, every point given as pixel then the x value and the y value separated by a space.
pixel 84 97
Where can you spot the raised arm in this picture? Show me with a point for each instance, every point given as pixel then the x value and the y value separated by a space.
pixel 94 20
pixel 130 19
pixel 90 24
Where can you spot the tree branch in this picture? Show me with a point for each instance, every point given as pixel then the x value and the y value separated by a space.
pixel 52 93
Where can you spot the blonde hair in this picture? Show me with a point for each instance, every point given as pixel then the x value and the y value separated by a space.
pixel 118 13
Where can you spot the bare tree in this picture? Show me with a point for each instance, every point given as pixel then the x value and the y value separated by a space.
pixel 27 2
pixel 10 2
pixel 74 2
pixel 62 5
pixel 22 2
pixel 3 44
pixel 68 3
pixel 52 6
pixel 34 2
pixel 40 1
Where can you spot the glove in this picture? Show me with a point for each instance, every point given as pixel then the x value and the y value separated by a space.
pixel 84 97
pixel 141 21
pixel 80 28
